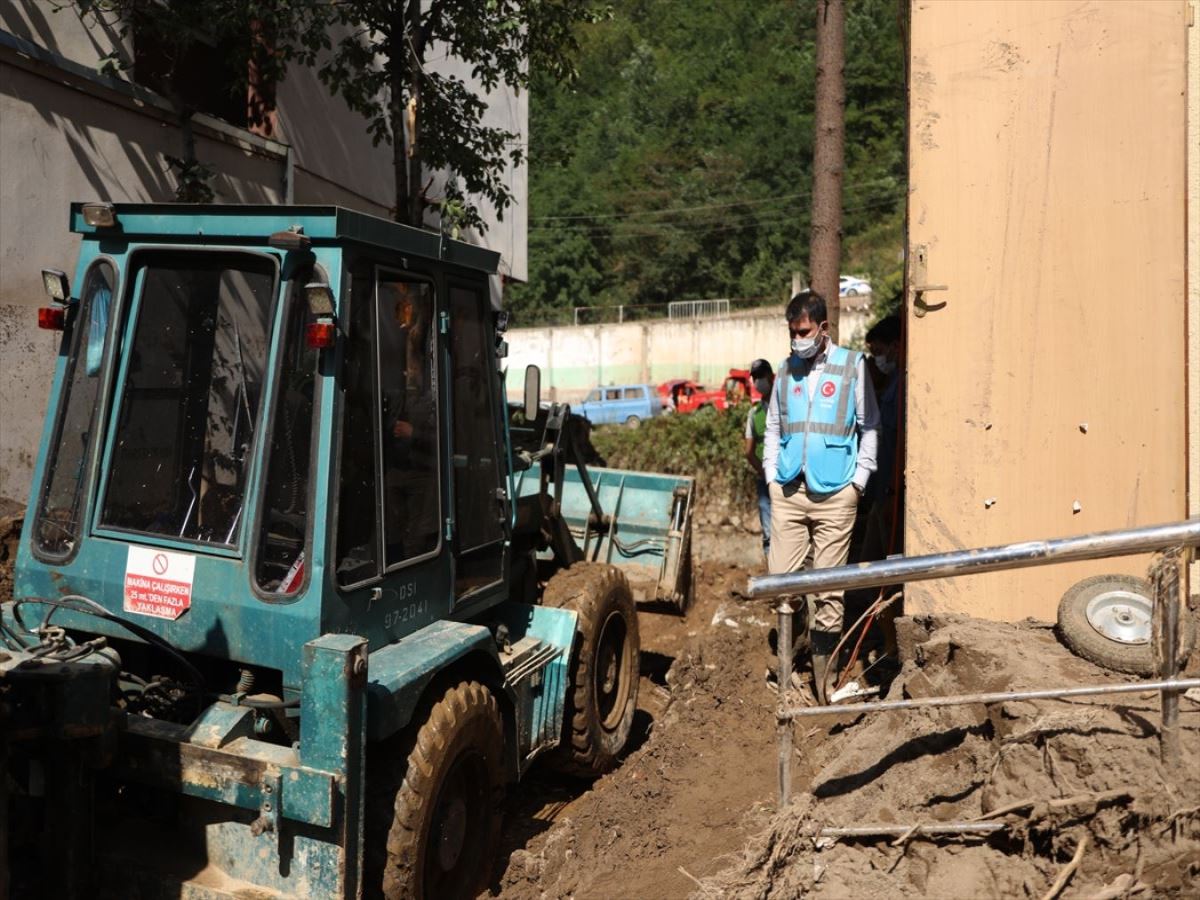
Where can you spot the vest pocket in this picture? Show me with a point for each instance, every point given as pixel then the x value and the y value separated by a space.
pixel 834 465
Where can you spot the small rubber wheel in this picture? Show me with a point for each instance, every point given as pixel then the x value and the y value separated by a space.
pixel 434 813
pixel 1106 620
pixel 602 696
pixel 633 422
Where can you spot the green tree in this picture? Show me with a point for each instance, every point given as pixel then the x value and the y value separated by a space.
pixel 374 54
pixel 378 64
pixel 678 164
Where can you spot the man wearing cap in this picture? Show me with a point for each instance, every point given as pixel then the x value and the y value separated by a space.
pixel 818 455
pixel 756 427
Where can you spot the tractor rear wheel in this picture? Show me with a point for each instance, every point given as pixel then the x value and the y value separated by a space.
pixel 602 696
pixel 436 838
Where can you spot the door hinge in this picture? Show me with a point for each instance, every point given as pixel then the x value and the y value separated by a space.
pixel 444 322
pixel 449 529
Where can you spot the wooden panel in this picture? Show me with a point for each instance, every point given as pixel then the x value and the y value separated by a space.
pixel 1047 160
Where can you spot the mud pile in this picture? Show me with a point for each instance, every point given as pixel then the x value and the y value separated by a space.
pixel 1070 779
pixel 701 782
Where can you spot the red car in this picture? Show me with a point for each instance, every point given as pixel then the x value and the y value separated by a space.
pixel 685 396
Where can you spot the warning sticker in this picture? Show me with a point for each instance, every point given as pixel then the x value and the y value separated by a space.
pixel 158 583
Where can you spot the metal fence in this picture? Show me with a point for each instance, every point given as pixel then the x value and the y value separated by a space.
pixel 698 309
pixel 676 310
pixel 1168 599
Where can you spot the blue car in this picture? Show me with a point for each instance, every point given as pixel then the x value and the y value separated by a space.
pixel 621 403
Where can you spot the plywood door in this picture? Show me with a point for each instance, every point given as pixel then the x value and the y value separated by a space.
pixel 1046 397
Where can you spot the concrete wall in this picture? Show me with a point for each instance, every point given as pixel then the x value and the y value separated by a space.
pixel 576 358
pixel 68 134
pixel 66 137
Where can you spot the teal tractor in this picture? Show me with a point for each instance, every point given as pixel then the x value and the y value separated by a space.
pixel 299 596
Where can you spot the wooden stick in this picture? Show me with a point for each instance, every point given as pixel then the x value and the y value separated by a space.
pixel 1057 803
pixel 904 838
pixel 697 881
pixel 1065 875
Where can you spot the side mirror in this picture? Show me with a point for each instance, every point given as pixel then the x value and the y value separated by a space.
pixel 533 392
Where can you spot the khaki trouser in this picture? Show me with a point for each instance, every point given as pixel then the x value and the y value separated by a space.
pixel 822 523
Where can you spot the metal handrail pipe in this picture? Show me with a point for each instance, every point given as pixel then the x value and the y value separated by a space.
pixel 857 709
pixel 1125 542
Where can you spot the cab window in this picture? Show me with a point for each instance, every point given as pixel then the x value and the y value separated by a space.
pixel 389 504
pixel 479 509
pixel 188 416
pixel 280 565
pixel 408 390
pixel 358 491
pixel 593 397
pixel 59 512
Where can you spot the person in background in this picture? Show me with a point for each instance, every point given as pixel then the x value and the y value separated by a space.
pixel 885 493
pixel 818 456
pixel 883 340
pixel 756 427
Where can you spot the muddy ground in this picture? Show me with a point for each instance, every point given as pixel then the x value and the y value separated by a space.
pixel 699 783
pixel 692 810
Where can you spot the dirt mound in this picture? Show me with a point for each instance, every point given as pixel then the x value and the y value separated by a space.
pixel 1079 777
pixel 702 781
pixel 12 517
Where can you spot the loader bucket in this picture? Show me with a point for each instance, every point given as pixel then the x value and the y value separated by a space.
pixel 650 537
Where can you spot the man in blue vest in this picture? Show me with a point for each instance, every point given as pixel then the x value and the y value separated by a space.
pixel 818 454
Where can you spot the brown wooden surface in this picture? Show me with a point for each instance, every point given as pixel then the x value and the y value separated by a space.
pixel 1047 162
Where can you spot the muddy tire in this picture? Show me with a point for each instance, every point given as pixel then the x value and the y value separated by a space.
pixel 633 422
pixel 602 695
pixel 434 806
pixel 1106 620
pixel 687 576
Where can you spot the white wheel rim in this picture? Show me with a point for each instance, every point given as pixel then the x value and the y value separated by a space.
pixel 1121 615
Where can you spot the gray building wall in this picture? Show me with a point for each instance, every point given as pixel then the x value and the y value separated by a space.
pixel 68 134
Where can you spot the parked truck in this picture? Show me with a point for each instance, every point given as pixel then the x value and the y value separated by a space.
pixel 686 396
pixel 291 608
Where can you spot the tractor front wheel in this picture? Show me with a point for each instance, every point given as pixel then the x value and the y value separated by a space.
pixel 602 697
pixel 439 836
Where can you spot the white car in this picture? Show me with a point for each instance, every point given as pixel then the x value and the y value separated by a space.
pixel 849 286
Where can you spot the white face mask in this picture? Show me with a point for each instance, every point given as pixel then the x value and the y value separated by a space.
pixel 885 365
pixel 805 348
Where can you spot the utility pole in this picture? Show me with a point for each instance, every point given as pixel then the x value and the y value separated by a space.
pixel 829 151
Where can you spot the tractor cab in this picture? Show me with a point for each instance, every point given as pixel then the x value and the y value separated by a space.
pixel 287 414
pixel 276 520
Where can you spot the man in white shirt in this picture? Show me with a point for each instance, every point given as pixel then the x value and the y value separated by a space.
pixel 818 454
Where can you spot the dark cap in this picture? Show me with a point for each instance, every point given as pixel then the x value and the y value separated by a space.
pixel 760 368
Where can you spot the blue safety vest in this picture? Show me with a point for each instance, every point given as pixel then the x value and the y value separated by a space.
pixel 819 438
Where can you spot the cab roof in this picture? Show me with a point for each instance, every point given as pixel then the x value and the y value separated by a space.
pixel 323 225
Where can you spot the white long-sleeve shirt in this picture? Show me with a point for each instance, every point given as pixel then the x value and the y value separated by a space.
pixel 866 414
